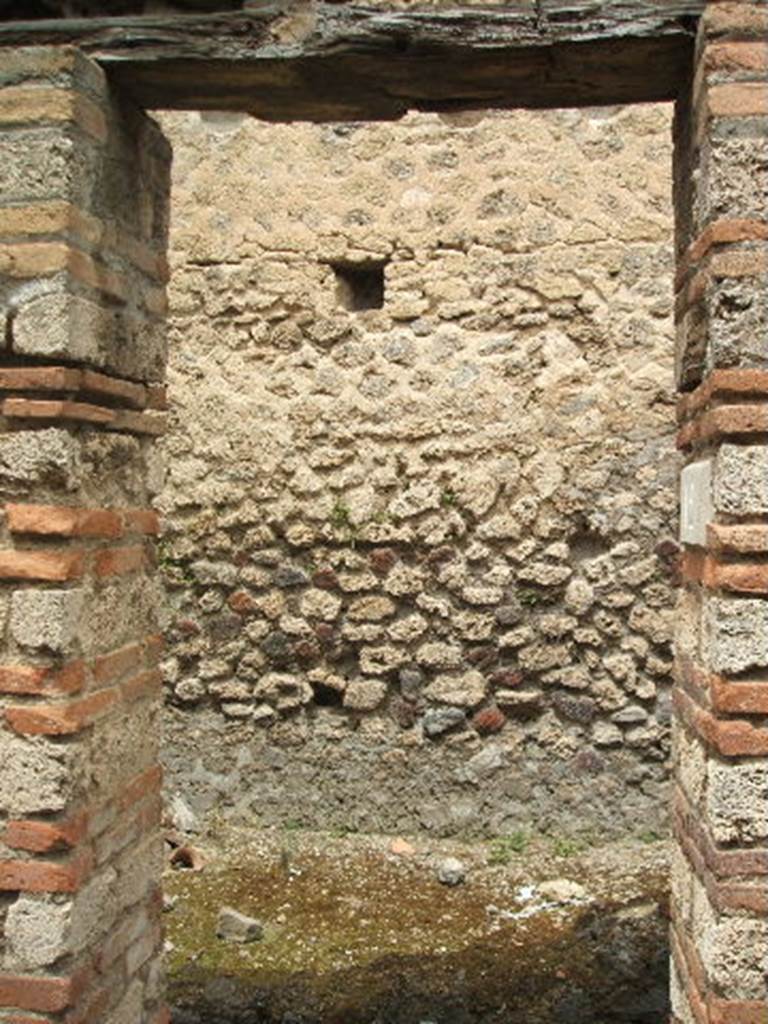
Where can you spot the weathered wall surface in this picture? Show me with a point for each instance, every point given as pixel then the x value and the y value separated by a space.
pixel 420 558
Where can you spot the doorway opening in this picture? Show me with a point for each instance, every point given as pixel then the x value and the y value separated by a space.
pixel 421 558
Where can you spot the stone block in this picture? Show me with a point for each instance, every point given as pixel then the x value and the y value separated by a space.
pixel 737 634
pixel 93 910
pixel 737 322
pixel 736 801
pixel 38 775
pixel 234 926
pixel 466 690
pixel 39 164
pixel 37 930
pixel 741 480
pixel 690 765
pixel 46 619
pixel 365 694
pixel 734 180
pixel 46 457
pixel 733 952
pixel 119 612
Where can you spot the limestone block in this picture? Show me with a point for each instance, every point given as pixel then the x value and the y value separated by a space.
pixel 38 777
pixel 364 694
pixel 37 163
pixel 37 931
pixel 741 480
pixel 378 660
pixel 737 634
pixel 57 325
pixel 46 618
pixel 319 604
pixel 690 765
pixel 734 179
pixel 47 456
pixel 736 801
pixel 733 954
pixel 737 322
pixel 439 655
pixel 366 609
pixel 579 596
pixel 466 690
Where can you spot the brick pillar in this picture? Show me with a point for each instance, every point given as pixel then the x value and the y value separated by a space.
pixel 84 183
pixel 720 876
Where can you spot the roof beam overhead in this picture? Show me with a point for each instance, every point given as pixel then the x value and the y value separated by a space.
pixel 324 61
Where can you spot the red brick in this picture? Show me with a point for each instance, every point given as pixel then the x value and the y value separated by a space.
pixel 719 265
pixel 752 898
pixel 145 784
pixel 43 520
pixel 738 738
pixel 42 876
pixel 736 56
pixel 154 423
pixel 739 696
pixel 242 602
pixel 489 720
pixel 747 1012
pixel 44 836
pixel 720 383
pixel 112 666
pixel 157 397
pixel 136 687
pixel 39 409
pixel 722 863
pixel 738 99
pixel 63 719
pixel 723 421
pixel 40 378
pixel 52 566
pixel 40 995
pixel 738 577
pixel 33 679
pixel 730 737
pixel 695 1000
pixel 123 390
pixel 118 561
pixel 142 520
pixel 724 232
pixel 739 538
pixel 154 646
pixel 63 521
pixel 735 18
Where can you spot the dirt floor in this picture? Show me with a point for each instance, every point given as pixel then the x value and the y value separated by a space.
pixel 359 930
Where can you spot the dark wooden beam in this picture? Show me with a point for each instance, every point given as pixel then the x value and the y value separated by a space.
pixel 325 61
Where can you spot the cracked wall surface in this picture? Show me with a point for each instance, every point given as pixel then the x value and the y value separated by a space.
pixel 420 559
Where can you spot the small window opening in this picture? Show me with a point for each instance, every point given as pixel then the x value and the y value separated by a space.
pixel 359 285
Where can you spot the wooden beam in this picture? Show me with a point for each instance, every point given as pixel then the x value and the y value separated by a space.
pixel 324 61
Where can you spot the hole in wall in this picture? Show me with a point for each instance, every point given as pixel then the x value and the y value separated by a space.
pixel 359 286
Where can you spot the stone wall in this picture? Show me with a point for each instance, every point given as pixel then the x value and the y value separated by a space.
pixel 420 556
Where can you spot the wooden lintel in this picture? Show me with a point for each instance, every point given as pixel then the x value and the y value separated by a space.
pixel 317 60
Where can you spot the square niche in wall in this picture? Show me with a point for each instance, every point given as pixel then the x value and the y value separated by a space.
pixel 360 285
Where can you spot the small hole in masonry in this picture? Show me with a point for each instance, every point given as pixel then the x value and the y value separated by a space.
pixel 359 285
